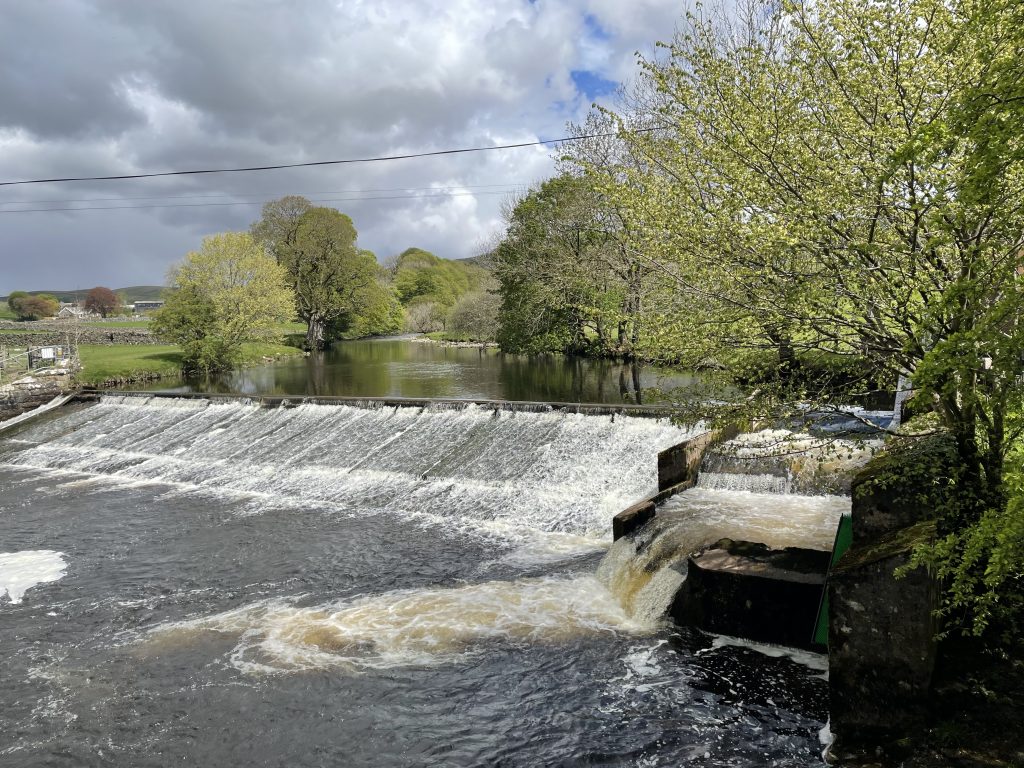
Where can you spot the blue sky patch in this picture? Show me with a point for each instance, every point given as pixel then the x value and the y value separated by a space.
pixel 591 84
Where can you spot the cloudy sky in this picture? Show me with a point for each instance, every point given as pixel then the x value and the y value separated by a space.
pixel 95 87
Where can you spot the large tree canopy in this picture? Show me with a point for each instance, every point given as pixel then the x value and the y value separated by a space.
pixel 817 198
pixel 843 177
pixel 227 292
pixel 337 286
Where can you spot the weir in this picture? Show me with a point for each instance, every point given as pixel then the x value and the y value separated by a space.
pixel 548 475
pixel 291 401
pixel 464 544
pixel 461 464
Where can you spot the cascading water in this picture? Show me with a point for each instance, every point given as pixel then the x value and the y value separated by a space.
pixel 377 586
pixel 748 489
pixel 781 461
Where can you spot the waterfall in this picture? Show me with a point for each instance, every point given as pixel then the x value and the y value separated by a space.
pixel 781 461
pixel 467 467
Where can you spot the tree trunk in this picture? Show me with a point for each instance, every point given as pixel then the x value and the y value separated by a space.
pixel 787 355
pixel 315 333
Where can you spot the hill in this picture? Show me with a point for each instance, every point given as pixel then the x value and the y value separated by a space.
pixel 131 294
pixel 421 277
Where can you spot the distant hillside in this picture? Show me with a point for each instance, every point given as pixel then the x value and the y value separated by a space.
pixel 421 277
pixel 132 293
pixel 484 260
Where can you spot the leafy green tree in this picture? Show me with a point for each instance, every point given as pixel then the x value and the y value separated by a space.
pixel 553 268
pixel 228 292
pixel 329 274
pixel 378 311
pixel 278 225
pixel 339 289
pixel 13 299
pixel 421 276
pixel 475 316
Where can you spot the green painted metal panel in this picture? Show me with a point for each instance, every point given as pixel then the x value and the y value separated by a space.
pixel 844 538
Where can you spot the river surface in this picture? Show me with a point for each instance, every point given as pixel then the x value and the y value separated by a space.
pixel 217 584
pixel 402 367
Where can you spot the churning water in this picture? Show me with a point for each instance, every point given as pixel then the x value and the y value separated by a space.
pixel 217 584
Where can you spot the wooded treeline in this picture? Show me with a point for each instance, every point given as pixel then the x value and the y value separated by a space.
pixel 302 262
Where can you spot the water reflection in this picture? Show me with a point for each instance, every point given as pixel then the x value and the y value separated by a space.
pixel 402 367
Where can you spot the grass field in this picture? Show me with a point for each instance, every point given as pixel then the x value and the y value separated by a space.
pixel 6 313
pixel 101 362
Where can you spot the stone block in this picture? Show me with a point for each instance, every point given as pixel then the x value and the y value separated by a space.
pixel 747 590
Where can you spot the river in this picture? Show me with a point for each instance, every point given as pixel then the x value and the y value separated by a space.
pixel 214 583
pixel 403 367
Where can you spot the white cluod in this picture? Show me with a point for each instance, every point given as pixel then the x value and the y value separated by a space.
pixel 20 571
pixel 411 627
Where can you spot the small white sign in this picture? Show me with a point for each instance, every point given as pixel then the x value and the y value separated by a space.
pixel 48 353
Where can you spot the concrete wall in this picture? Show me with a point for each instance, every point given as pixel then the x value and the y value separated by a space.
pixel 678 468
pixel 681 463
pixel 882 646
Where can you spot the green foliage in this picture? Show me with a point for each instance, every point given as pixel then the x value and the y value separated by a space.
pixel 813 199
pixel 982 565
pixel 226 293
pixel 377 313
pixel 420 277
pixel 567 281
pixel 32 306
pixel 475 317
pixel 339 289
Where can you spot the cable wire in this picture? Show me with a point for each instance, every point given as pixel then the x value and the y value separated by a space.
pixel 254 202
pixel 380 159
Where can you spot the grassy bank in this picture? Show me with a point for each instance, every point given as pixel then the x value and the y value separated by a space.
pixel 6 313
pixel 105 363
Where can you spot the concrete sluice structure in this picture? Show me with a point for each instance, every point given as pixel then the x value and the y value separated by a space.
pixel 739 540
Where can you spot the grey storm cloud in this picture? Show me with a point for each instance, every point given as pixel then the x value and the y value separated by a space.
pixel 102 87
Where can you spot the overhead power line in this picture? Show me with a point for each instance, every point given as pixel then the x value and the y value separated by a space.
pixel 256 202
pixel 383 158
pixel 269 195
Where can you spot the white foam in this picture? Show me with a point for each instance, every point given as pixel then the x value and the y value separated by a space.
pixel 408 627
pixel 815 661
pixel 20 571
pixel 497 472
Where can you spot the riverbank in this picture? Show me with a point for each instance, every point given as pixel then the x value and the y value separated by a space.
pixel 112 366
pixel 453 340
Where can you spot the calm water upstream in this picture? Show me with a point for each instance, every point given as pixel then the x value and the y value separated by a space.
pixel 218 584
pixel 399 367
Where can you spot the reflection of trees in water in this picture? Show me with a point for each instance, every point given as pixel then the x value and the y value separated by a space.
pixel 561 378
pixel 416 369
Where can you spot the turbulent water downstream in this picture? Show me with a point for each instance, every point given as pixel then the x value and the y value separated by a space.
pixel 216 584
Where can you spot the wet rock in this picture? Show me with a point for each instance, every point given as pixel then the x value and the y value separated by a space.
pixel 27 393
